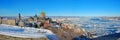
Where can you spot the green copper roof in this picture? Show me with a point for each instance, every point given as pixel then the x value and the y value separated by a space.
pixel 42 12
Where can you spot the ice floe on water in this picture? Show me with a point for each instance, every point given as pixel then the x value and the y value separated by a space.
pixel 101 27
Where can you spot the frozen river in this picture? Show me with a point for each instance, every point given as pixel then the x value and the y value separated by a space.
pixel 101 27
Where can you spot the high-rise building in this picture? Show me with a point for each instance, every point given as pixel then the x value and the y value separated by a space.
pixel 17 20
pixel 19 16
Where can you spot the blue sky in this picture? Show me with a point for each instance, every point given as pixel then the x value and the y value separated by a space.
pixel 60 7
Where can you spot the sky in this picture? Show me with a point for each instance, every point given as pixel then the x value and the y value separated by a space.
pixel 60 7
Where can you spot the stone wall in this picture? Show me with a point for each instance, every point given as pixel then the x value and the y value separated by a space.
pixel 11 22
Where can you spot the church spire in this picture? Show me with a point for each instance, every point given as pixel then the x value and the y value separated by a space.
pixel 35 15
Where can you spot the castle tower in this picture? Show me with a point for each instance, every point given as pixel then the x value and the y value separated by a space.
pixel 42 15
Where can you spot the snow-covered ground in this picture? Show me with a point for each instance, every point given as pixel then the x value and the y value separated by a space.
pixel 24 32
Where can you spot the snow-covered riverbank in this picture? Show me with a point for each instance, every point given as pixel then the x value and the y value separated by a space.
pixel 25 32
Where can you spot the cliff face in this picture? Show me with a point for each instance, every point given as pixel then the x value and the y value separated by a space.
pixel 66 34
